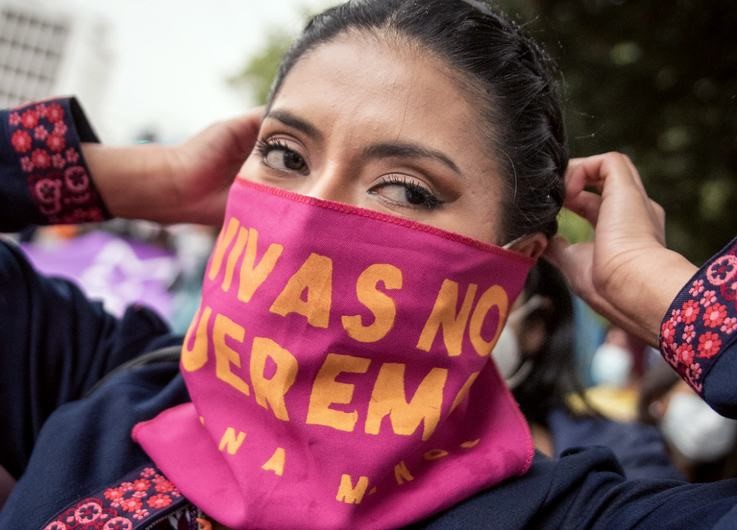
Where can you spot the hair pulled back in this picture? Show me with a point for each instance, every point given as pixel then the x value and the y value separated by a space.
pixel 513 77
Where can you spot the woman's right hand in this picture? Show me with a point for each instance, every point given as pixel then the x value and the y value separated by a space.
pixel 626 273
pixel 187 183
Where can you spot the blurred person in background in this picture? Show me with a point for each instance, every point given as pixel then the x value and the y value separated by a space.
pixel 701 442
pixel 536 356
pixel 614 388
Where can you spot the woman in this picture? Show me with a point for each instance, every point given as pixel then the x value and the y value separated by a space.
pixel 309 406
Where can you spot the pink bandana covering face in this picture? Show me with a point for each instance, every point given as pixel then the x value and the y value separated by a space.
pixel 339 370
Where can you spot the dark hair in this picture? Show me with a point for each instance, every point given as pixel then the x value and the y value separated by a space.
pixel 553 376
pixel 499 63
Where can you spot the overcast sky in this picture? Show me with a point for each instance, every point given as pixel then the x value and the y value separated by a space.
pixel 171 59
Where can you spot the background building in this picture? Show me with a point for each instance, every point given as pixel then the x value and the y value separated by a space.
pixel 47 49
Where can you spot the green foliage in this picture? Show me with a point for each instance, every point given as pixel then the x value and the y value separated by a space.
pixel 574 228
pixel 657 80
pixel 260 70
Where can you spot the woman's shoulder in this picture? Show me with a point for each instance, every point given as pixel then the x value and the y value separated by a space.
pixel 586 488
pixel 540 498
pixel 87 443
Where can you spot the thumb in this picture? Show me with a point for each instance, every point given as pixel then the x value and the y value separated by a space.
pixel 575 261
pixel 244 129
pixel 555 252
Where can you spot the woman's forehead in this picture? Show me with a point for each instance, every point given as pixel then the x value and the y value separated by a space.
pixel 361 89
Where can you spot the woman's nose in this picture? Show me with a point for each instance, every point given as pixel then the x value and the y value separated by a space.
pixel 331 185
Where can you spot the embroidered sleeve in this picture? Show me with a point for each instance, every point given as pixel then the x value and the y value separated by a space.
pixel 143 497
pixel 44 178
pixel 701 324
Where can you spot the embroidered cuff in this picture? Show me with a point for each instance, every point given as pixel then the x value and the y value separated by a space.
pixel 702 321
pixel 142 496
pixel 45 140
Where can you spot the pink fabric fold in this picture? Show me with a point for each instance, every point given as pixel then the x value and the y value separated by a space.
pixel 339 370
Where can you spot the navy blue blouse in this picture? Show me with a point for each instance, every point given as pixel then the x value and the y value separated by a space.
pixel 71 450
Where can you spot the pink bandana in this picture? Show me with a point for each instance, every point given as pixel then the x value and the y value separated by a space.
pixel 339 370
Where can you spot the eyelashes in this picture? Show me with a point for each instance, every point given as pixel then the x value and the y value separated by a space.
pixel 396 189
pixel 276 154
pixel 415 195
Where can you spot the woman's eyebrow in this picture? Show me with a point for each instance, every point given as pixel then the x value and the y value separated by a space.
pixel 290 120
pixel 409 150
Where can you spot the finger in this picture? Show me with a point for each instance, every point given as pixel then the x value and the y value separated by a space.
pixel 597 170
pixel 571 259
pixel 575 178
pixel 586 204
pixel 635 174
pixel 245 128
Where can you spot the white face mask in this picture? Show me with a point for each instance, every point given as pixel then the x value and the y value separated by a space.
pixel 507 354
pixel 611 365
pixel 695 430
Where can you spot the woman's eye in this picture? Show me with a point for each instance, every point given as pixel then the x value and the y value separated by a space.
pixel 402 190
pixel 277 155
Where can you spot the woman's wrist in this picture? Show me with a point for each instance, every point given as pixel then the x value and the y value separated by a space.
pixel 135 182
pixel 646 291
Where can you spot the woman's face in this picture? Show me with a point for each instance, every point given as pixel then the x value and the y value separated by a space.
pixel 358 122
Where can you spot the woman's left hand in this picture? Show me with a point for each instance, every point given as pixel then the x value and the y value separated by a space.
pixel 626 273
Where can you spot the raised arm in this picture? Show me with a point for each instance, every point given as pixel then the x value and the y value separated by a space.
pixel 55 343
pixel 629 275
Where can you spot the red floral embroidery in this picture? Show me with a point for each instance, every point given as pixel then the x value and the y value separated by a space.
pixel 76 179
pixel 43 138
pixel 159 501
pixel 689 333
pixel 131 504
pixel 40 159
pixel 118 523
pixel 685 354
pixel 689 311
pixel 668 330
pixel 710 297
pixel 58 161
pixel 714 315
pixel 696 288
pixel 56 142
pixel 693 377
pixel 14 119
pixel 29 119
pixel 722 270
pixel 729 326
pixel 703 319
pixel 54 113
pixel 21 141
pixel 25 164
pixel 60 128
pixel 123 507
pixel 709 344
pixel 141 484
pixel 729 291
pixel 72 156
pixel 40 133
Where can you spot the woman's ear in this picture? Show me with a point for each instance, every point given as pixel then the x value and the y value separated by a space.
pixel 532 245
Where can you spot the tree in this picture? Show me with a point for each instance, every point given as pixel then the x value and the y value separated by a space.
pixel 657 80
